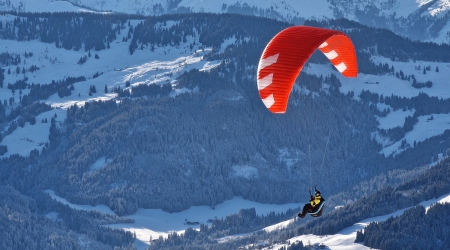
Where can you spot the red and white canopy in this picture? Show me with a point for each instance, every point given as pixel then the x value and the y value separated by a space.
pixel 284 57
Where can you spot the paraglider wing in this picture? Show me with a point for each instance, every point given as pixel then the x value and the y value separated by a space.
pixel 287 52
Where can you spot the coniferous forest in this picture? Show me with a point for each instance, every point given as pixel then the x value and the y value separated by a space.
pixel 172 153
pixel 400 232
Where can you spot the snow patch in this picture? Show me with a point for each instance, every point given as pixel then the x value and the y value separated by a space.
pixel 100 208
pixel 245 171
pixel 25 139
pixel 290 158
pixel 227 43
pixel 391 85
pixel 99 164
pixel 52 215
pixel 208 66
pixel 427 126
pixel 394 119
pixel 155 222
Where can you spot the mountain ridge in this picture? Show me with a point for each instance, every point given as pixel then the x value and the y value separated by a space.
pixel 422 20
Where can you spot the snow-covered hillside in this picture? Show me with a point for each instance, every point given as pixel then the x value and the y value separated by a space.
pixel 287 8
pixel 153 223
pixel 116 67
pixel 39 6
pixel 345 239
pixel 402 16
pixel 388 85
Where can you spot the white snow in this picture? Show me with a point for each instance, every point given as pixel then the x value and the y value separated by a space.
pixel 23 140
pixel 290 157
pixel 226 43
pixel 308 9
pixel 164 64
pixel 394 119
pixel 346 237
pixel 245 171
pixel 439 7
pixel 424 129
pixel 388 85
pixel 153 223
pixel 287 8
pixel 208 66
pixel 99 164
pixel 40 6
pixel 52 215
pixel 99 208
pixel 116 66
pixel 156 222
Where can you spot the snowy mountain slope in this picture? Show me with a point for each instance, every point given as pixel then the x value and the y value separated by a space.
pixel 163 65
pixel 425 20
pixel 166 63
pixel 388 85
pixel 39 6
pixel 289 8
pixel 152 223
pixel 345 239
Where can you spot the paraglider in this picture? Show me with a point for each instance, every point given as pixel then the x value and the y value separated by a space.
pixel 315 205
pixel 287 52
pixel 283 59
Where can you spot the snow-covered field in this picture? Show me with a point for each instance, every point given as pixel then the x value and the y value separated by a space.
pixel 153 223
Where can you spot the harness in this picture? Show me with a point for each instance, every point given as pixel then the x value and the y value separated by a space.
pixel 319 210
